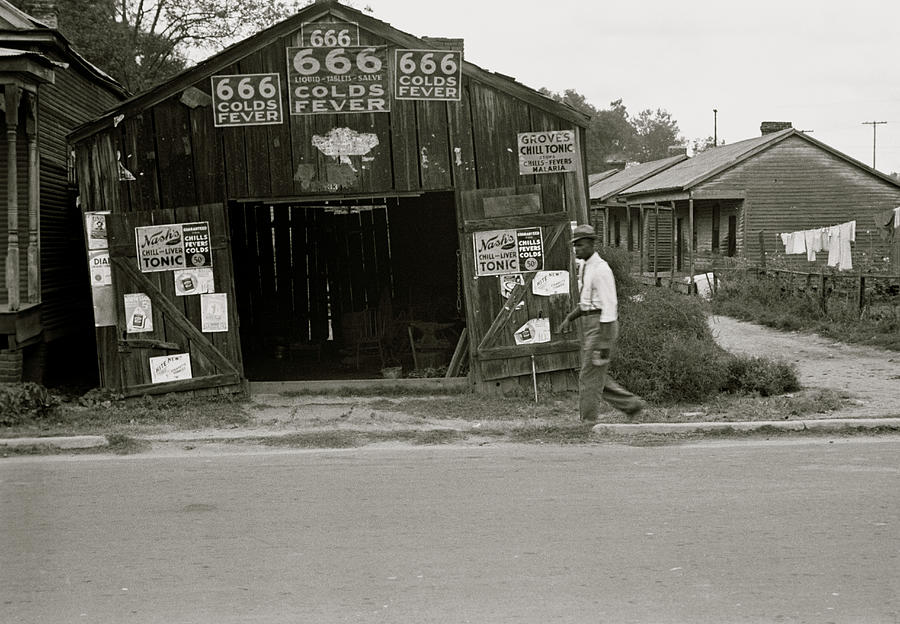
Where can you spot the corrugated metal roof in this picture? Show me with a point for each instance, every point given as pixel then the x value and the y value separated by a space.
pixel 593 178
pixel 12 18
pixel 7 53
pixel 607 187
pixel 705 164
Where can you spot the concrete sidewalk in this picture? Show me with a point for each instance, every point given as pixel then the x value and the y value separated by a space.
pixel 833 425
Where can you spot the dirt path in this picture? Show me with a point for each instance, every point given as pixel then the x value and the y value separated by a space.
pixel 871 376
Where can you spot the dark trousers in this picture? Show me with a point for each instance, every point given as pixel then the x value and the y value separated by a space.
pixel 593 383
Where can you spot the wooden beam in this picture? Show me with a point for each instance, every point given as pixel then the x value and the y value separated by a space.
pixel 12 93
pixel 691 244
pixel 500 223
pixel 502 353
pixel 34 203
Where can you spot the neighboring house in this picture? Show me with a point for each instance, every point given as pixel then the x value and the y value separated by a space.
pixel 47 89
pixel 740 196
pixel 616 221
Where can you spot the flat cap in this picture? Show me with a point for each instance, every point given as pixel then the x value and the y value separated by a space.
pixel 583 231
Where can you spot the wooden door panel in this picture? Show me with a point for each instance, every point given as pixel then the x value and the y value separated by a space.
pixel 216 360
pixel 494 354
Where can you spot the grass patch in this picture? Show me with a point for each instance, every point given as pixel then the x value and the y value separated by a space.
pixel 100 415
pixel 124 445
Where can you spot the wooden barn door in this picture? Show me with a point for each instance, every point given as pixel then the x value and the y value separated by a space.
pixel 496 360
pixel 176 312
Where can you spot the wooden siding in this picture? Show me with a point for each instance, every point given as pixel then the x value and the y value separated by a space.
pixel 180 158
pixel 796 185
pixel 73 99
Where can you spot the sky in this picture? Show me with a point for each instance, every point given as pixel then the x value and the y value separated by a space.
pixel 823 65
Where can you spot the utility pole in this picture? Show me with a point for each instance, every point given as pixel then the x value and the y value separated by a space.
pixel 873 124
pixel 715 127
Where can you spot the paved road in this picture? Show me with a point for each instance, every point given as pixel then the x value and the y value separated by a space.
pixel 752 531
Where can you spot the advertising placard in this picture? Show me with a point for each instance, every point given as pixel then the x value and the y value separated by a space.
pixel 173 246
pixel 534 331
pixel 197 244
pixel 500 252
pixel 428 75
pixel 246 100
pixel 508 282
pixel 170 367
pixel 193 281
pixel 138 313
pixel 329 34
pixel 324 81
pixel 214 312
pixel 546 152
pixel 548 283
pixel 99 266
pixel 95 224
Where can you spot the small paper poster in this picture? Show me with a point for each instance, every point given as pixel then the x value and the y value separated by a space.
pixel 95 223
pixel 104 298
pixel 548 283
pixel 101 271
pixel 170 367
pixel 508 282
pixel 138 313
pixel 534 331
pixel 193 281
pixel 214 312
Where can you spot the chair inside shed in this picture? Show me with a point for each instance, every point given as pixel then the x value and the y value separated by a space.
pixel 347 289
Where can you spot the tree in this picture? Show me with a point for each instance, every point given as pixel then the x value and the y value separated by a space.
pixel 143 42
pixel 654 133
pixel 609 133
pixel 701 145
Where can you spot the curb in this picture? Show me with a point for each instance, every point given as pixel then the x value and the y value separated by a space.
pixel 831 425
pixel 60 442
pixel 823 425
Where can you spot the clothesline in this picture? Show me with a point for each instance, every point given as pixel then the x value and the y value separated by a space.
pixel 835 239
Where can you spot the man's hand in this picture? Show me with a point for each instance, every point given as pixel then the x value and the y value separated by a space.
pixel 564 326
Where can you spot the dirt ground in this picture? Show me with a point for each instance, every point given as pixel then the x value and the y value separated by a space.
pixel 870 376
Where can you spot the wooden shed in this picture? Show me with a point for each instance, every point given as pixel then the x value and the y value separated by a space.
pixel 738 198
pixel 354 196
pixel 48 89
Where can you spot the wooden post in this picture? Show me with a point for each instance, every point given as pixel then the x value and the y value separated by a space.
pixel 691 245
pixel 640 239
pixel 34 203
pixel 12 93
pixel 606 236
pixel 672 247
pixel 862 294
pixel 822 279
pixel 762 248
pixel 655 242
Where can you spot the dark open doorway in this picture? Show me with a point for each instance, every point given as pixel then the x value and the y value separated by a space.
pixel 330 290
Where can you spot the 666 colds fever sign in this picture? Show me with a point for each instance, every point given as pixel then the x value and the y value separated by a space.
pixel 246 100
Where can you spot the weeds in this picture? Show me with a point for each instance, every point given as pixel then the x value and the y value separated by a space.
pixel 789 304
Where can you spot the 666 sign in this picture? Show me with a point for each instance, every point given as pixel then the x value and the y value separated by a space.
pixel 247 100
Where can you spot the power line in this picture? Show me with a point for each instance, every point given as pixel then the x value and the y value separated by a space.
pixel 874 124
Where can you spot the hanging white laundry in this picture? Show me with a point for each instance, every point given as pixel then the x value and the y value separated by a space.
pixel 848 235
pixel 798 243
pixel 897 217
pixel 813 243
pixel 834 245
pixel 785 240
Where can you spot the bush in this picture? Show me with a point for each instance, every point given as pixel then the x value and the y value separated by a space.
pixel 759 375
pixel 666 352
pixel 21 401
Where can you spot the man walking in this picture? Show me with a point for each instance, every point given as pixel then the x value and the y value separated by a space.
pixel 597 306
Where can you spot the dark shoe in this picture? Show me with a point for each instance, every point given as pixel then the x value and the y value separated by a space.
pixel 636 411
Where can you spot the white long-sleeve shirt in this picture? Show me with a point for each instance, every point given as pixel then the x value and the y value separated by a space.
pixel 598 289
